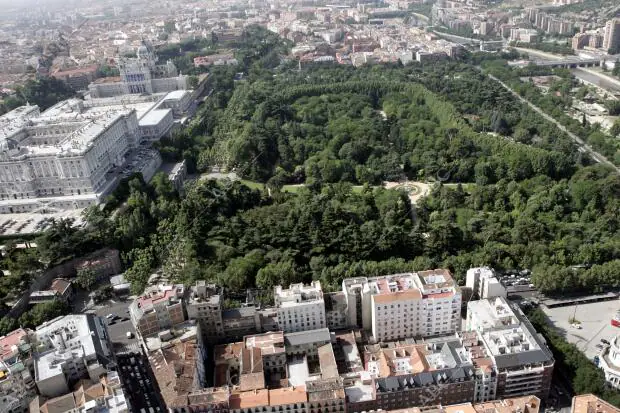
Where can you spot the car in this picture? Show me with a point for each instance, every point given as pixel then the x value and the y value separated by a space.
pixel 576 325
pixel 110 316
pixel 129 334
pixel 604 341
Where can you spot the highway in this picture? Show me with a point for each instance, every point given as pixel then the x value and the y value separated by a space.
pixel 584 147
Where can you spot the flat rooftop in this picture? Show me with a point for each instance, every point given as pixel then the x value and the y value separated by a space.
pixel 269 343
pixel 154 117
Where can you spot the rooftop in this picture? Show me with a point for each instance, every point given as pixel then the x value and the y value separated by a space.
pixel 307 337
pixel 589 403
pixel 9 342
pixel 269 343
pixel 491 313
pixel 174 369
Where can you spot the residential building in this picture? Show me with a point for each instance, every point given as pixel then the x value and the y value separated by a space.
pixel 104 263
pixel 300 307
pixel 159 308
pixel 609 361
pixel 17 387
pixel 611 38
pixel 179 369
pixel 204 305
pixel 580 40
pixel 521 357
pixel 336 310
pixel 589 403
pixel 306 343
pixel 421 304
pixel 103 396
pixel 484 283
pixel 526 404
pixel 141 74
pixel 70 348
pixel 61 289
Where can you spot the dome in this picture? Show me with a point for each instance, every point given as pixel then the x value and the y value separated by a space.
pixel 142 51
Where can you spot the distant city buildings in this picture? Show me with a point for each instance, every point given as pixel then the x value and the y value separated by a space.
pixel 549 23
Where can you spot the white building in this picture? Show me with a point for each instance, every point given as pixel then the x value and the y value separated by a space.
pixel 397 306
pixel 68 349
pixel 484 283
pixel 523 361
pixel 141 74
pixel 73 154
pixel 61 158
pixel 300 307
pixel 609 361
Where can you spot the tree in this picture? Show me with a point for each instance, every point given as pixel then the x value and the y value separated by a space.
pixel 41 313
pixel 192 82
pixel 7 324
pixel 86 279
pixel 280 273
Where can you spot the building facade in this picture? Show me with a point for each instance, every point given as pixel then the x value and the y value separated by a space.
pixel 391 307
pixel 159 308
pixel 611 38
pixel 67 151
pixel 300 307
pixel 522 359
pixel 141 75
pixel 484 284
pixel 70 348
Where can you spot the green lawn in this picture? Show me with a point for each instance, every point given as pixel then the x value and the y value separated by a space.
pixel 252 184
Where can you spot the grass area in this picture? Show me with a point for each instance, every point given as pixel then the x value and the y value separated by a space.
pixel 291 188
pixel 466 187
pixel 252 184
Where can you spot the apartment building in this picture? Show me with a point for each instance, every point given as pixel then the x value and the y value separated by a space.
pixel 300 307
pixel 391 307
pixel 611 38
pixel 523 361
pixel 159 308
pixel 103 396
pixel 484 283
pixel 204 305
pixel 17 386
pixel 70 348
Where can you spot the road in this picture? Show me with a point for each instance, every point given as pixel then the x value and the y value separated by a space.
pixel 584 147
pixel 598 79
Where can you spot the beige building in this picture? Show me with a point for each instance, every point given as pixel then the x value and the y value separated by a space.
pixel 159 308
pixel 421 304
pixel 611 38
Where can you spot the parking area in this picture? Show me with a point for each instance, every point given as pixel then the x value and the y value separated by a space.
pixel 595 322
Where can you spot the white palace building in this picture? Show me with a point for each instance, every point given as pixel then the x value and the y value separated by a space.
pixel 74 154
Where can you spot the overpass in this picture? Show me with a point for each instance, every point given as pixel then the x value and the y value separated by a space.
pixel 569 63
